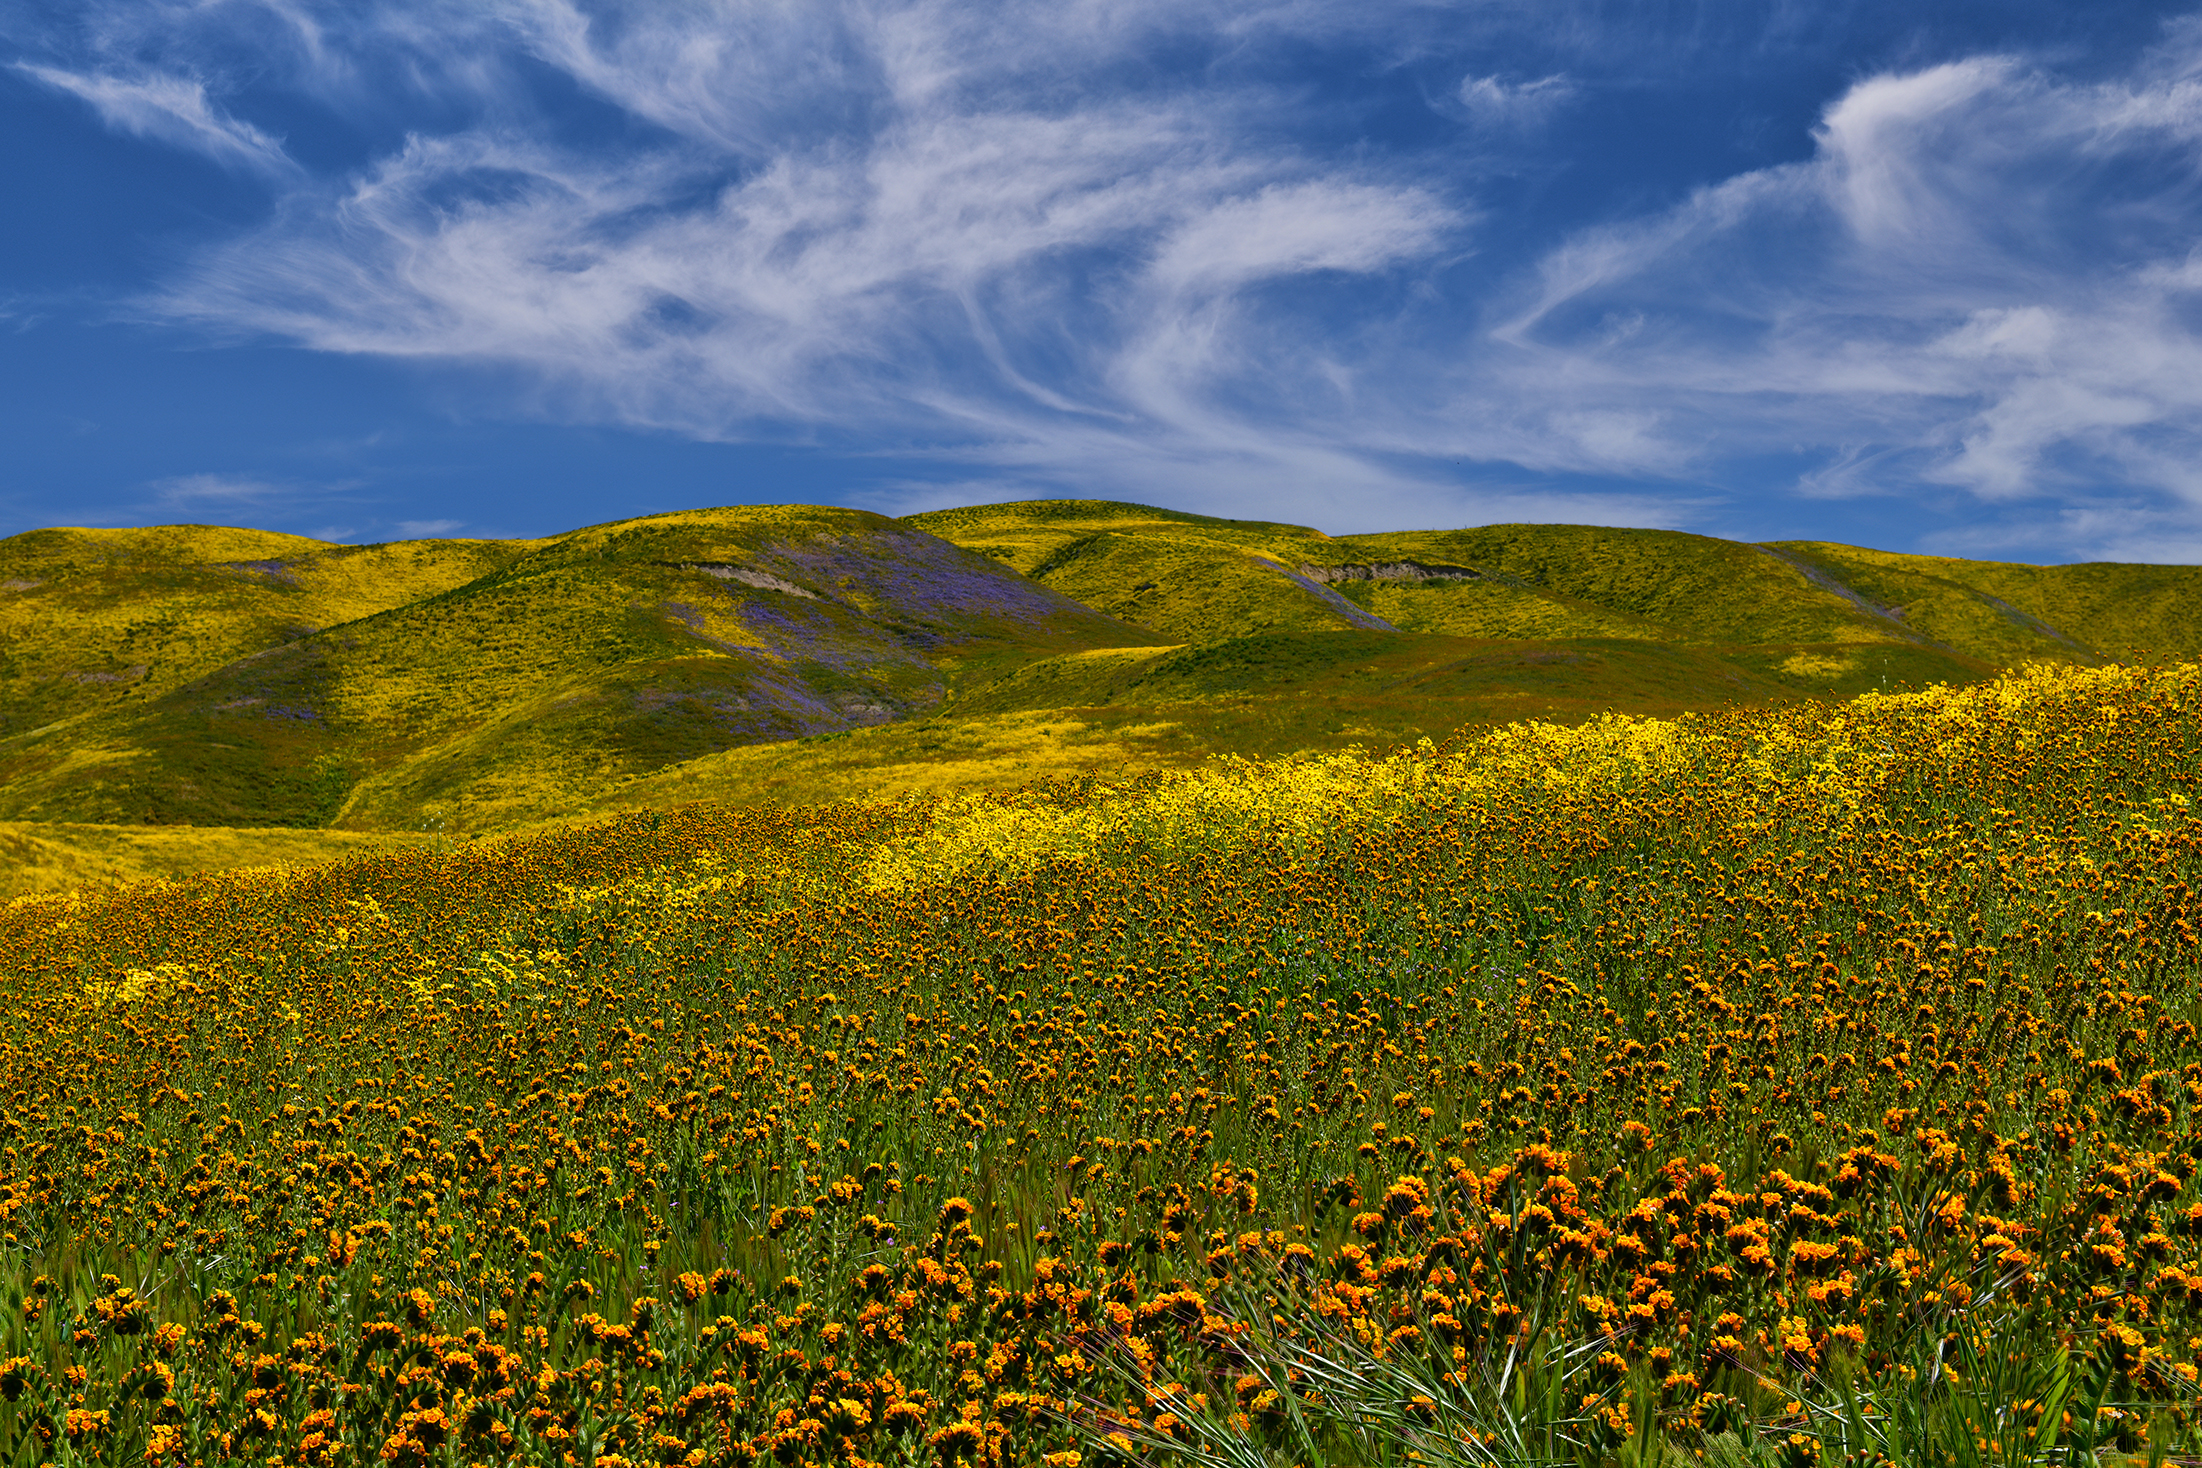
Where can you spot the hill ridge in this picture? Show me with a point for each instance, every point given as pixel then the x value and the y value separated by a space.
pixel 233 677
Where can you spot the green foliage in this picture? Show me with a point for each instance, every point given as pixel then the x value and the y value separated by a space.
pixel 193 674
pixel 1190 578
pixel 1699 589
pixel 56 857
pixel 1201 580
pixel 1123 712
pixel 1785 1087
pixel 1495 608
pixel 1847 669
pixel 2008 612
pixel 94 618
pixel 573 663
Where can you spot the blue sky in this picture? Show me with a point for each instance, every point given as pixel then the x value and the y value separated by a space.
pixel 1924 277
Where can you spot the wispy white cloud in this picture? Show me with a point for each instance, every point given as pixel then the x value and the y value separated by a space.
pixel 426 529
pixel 997 231
pixel 185 491
pixel 1297 228
pixel 20 313
pixel 1980 280
pixel 1494 101
pixel 170 109
pixel 1024 266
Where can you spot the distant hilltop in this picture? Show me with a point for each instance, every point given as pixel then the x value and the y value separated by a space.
pixel 210 676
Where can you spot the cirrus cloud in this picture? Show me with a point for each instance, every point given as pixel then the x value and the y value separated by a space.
pixel 1983 278
pixel 169 109
pixel 1495 101
pixel 1135 249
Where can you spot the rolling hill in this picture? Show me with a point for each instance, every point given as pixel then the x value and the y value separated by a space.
pixel 1819 619
pixel 570 663
pixel 93 618
pixel 220 678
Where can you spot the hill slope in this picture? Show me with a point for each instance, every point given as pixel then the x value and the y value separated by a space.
pixel 1818 619
pixel 580 659
pixel 1191 578
pixel 48 856
pixel 2092 610
pixel 92 618
pixel 193 674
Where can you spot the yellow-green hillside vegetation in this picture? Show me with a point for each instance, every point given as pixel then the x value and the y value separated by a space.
pixel 1191 578
pixel 1119 712
pixel 1199 579
pixel 576 662
pixel 52 856
pixel 2013 612
pixel 1756 611
pixel 92 618
pixel 1818 619
pixel 216 678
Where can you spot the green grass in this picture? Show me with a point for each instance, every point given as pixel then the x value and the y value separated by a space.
pixel 2055 612
pixel 1846 1044
pixel 1122 713
pixel 1189 578
pixel 1494 608
pixel 233 678
pixel 1847 669
pixel 1031 527
pixel 577 662
pixel 56 857
pixel 1200 580
pixel 1692 587
pixel 94 619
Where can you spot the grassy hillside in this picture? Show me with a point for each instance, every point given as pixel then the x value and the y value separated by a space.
pixel 1189 578
pixel 1691 587
pixel 582 659
pixel 44 857
pixel 2094 610
pixel 1120 713
pixel 1195 579
pixel 94 618
pixel 1198 579
pixel 232 678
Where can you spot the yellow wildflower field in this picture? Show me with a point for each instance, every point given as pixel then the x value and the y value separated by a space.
pixel 1815 1083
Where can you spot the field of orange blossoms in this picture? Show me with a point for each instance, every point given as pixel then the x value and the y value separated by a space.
pixel 1804 1086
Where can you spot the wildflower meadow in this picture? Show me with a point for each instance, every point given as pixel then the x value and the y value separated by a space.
pixel 1804 1085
